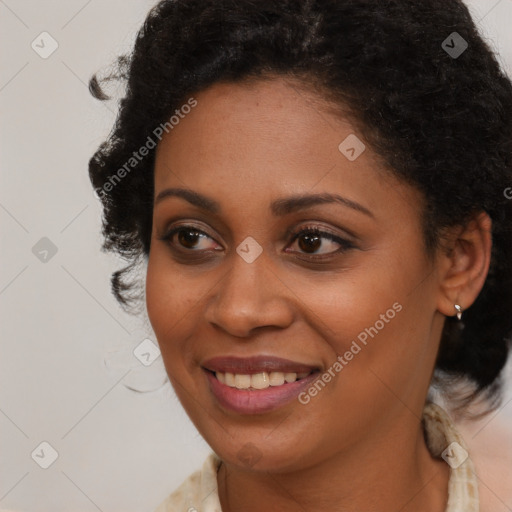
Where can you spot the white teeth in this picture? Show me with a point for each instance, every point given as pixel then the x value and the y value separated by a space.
pixel 230 379
pixel 258 380
pixel 242 381
pixel 276 378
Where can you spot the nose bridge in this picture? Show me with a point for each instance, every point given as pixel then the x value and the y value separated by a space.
pixel 249 296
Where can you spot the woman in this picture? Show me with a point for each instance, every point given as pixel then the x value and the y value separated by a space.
pixel 319 192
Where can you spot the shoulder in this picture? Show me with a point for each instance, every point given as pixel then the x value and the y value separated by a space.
pixel 489 443
pixel 198 493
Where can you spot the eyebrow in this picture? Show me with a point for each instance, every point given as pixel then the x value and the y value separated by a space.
pixel 279 207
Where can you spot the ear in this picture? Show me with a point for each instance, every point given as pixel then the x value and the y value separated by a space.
pixel 463 263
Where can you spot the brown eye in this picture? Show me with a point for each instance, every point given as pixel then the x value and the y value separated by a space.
pixel 314 241
pixel 190 238
pixel 310 242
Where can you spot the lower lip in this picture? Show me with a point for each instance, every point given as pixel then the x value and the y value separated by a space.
pixel 243 401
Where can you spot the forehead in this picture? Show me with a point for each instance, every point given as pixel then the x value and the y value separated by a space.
pixel 268 114
pixel 272 121
pixel 245 142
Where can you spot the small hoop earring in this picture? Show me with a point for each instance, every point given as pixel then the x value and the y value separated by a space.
pixel 459 311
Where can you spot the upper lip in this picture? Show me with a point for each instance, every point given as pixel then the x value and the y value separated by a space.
pixel 256 364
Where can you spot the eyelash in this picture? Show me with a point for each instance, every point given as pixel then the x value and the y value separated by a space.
pixel 345 245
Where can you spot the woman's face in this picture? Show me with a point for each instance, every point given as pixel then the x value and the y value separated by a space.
pixel 350 308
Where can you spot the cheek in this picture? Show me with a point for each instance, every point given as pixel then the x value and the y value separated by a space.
pixel 170 303
pixel 377 317
pixel 171 291
pixel 160 296
pixel 342 307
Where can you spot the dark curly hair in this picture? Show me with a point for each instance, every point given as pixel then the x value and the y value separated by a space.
pixel 441 121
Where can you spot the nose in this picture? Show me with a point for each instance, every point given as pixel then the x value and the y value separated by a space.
pixel 248 297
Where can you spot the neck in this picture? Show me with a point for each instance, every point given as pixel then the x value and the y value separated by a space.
pixel 392 471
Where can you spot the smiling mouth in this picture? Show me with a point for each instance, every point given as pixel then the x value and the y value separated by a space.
pixel 258 381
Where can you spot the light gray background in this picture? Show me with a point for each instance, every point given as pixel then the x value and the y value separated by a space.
pixel 67 364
